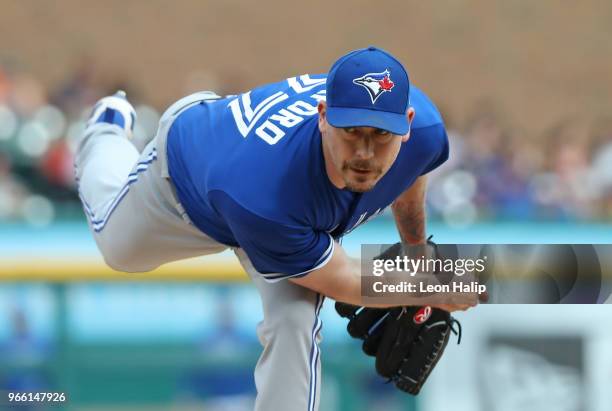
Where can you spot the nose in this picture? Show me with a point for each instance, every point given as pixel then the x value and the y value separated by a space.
pixel 364 149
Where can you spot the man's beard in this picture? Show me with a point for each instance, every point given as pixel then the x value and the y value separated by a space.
pixel 374 172
pixel 358 188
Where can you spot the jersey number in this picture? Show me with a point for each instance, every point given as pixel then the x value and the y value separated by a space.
pixel 271 131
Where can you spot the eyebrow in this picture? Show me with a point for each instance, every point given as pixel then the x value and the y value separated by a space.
pixel 358 128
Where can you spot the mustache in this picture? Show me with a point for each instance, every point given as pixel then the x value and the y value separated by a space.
pixel 361 165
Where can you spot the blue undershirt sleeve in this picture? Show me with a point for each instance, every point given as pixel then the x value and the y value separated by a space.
pixel 438 136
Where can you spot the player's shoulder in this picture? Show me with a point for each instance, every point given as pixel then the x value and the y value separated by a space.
pixel 428 137
pixel 426 112
pixel 285 90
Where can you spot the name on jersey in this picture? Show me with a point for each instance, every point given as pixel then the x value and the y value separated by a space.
pixel 247 116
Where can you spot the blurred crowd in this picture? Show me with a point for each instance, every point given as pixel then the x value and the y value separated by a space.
pixel 495 172
pixel 39 132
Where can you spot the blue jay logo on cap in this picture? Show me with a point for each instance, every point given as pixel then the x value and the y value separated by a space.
pixel 375 83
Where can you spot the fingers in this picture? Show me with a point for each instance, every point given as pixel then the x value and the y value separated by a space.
pixel 453 307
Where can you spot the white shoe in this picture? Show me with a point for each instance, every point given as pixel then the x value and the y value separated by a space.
pixel 116 110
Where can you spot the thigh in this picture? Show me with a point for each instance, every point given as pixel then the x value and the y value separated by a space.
pixel 277 292
pixel 288 373
pixel 283 298
pixel 144 228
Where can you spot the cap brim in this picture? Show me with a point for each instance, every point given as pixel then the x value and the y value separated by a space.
pixel 359 117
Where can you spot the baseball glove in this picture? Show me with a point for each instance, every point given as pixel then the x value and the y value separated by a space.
pixel 406 341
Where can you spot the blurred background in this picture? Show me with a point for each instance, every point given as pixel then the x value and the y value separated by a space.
pixel 524 88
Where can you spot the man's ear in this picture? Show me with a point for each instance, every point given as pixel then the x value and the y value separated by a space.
pixel 322 109
pixel 410 115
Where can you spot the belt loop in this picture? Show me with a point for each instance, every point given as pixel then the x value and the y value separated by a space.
pixel 177 204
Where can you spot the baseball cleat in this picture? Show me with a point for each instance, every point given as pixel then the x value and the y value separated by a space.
pixel 116 110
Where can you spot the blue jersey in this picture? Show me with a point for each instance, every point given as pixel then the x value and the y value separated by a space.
pixel 249 171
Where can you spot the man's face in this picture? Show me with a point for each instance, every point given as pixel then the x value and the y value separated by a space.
pixel 357 157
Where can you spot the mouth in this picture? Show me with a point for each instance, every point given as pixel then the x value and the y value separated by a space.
pixel 360 171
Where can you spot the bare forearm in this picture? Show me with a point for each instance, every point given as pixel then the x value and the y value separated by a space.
pixel 339 280
pixel 350 291
pixel 347 284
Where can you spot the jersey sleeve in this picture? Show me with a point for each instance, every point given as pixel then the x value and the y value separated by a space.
pixel 439 137
pixel 276 250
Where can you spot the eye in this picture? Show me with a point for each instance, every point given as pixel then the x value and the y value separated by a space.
pixel 350 130
pixel 382 136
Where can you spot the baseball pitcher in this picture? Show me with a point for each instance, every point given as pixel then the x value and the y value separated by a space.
pixel 277 174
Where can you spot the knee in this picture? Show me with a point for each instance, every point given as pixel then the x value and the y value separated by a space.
pixel 296 318
pixel 123 264
pixel 120 257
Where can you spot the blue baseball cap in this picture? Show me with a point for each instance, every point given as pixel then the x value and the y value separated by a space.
pixel 368 88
